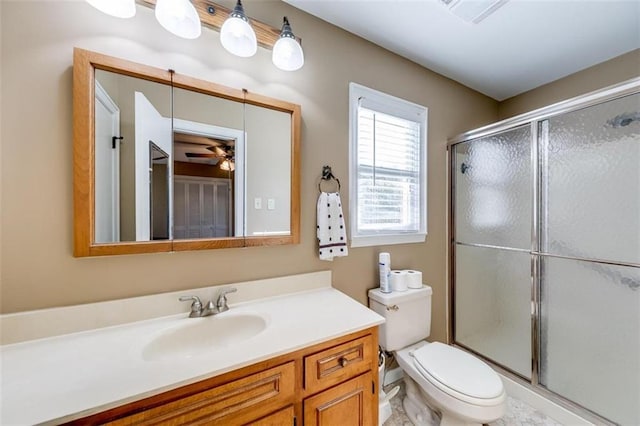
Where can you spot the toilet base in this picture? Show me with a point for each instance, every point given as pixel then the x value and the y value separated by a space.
pixel 418 412
pixel 416 405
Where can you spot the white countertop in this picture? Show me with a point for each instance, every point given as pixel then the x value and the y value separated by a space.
pixel 67 377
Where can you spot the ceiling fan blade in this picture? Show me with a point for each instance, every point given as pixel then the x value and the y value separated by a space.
pixel 219 151
pixel 216 150
pixel 189 139
pixel 200 155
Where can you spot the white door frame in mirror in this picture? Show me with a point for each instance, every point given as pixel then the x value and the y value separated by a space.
pixel 107 178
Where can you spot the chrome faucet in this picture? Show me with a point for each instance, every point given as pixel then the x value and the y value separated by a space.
pixel 196 306
pixel 197 310
pixel 221 304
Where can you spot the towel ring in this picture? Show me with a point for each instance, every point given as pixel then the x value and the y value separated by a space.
pixel 327 175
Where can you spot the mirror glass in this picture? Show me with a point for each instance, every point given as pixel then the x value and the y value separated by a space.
pixel 209 137
pixel 131 114
pixel 172 163
pixel 268 171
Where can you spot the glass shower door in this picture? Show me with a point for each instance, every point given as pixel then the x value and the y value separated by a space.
pixel 493 208
pixel 590 258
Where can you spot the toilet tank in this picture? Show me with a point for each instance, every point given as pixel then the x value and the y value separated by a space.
pixel 407 315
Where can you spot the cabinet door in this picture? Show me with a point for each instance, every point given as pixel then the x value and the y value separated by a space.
pixel 348 404
pixel 286 416
pixel 235 403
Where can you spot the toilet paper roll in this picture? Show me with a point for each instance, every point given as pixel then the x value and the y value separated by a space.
pixel 414 278
pixel 398 280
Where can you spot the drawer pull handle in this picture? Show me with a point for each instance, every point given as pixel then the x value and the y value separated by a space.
pixel 392 308
pixel 343 362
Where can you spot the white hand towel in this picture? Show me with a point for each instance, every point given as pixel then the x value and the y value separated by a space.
pixel 331 232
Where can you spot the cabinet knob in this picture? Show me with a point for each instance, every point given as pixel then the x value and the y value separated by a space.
pixel 343 361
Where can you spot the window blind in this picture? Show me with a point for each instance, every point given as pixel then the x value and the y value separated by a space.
pixel 388 173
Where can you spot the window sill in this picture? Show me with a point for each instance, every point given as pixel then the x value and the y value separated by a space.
pixel 383 240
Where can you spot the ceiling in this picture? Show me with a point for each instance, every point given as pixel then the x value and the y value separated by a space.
pixel 522 45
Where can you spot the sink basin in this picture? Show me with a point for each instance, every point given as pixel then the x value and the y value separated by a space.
pixel 197 336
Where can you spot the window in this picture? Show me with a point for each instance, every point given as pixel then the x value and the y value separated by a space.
pixel 387 169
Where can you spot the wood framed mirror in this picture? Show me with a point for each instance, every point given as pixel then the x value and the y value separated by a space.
pixel 166 162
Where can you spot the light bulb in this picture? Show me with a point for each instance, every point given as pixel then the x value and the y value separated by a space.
pixel 179 17
pixel 287 52
pixel 117 8
pixel 237 35
pixel 227 165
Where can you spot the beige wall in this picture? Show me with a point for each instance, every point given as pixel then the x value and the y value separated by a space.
pixel 614 71
pixel 38 269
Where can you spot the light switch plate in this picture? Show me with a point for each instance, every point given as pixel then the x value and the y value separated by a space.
pixel 257 203
pixel 271 204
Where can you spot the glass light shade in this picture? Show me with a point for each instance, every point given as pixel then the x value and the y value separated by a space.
pixel 179 17
pixel 117 8
pixel 287 54
pixel 237 37
pixel 227 166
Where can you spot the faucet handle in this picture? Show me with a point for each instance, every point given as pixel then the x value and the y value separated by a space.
pixel 196 306
pixel 222 298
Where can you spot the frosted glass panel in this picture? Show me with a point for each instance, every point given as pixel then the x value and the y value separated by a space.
pixel 493 189
pixel 590 336
pixel 492 305
pixel 592 176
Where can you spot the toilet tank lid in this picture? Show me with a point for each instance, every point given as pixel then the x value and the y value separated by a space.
pixel 399 296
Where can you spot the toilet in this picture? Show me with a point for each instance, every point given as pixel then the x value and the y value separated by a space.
pixel 444 385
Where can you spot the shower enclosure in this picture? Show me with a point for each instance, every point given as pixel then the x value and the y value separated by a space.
pixel 545 249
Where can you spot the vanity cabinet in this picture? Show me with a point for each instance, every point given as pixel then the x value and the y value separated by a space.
pixel 331 383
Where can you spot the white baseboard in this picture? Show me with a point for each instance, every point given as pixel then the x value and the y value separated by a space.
pixel 393 375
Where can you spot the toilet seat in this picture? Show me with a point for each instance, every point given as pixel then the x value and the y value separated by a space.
pixel 458 374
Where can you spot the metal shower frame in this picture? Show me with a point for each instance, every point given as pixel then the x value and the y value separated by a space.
pixel 535 120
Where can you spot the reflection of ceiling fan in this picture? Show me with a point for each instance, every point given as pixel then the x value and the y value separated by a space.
pixel 218 151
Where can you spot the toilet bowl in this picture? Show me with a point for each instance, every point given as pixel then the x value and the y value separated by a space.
pixel 460 387
pixel 444 385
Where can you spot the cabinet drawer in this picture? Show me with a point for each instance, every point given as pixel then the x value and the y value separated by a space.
pixel 337 364
pixel 238 402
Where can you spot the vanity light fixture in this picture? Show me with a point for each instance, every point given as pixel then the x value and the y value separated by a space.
pixel 117 8
pixel 179 17
pixel 185 18
pixel 287 52
pixel 236 35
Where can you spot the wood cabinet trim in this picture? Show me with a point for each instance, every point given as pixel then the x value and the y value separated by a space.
pixel 280 417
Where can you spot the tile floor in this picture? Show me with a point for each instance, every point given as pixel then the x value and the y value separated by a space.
pixel 518 413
